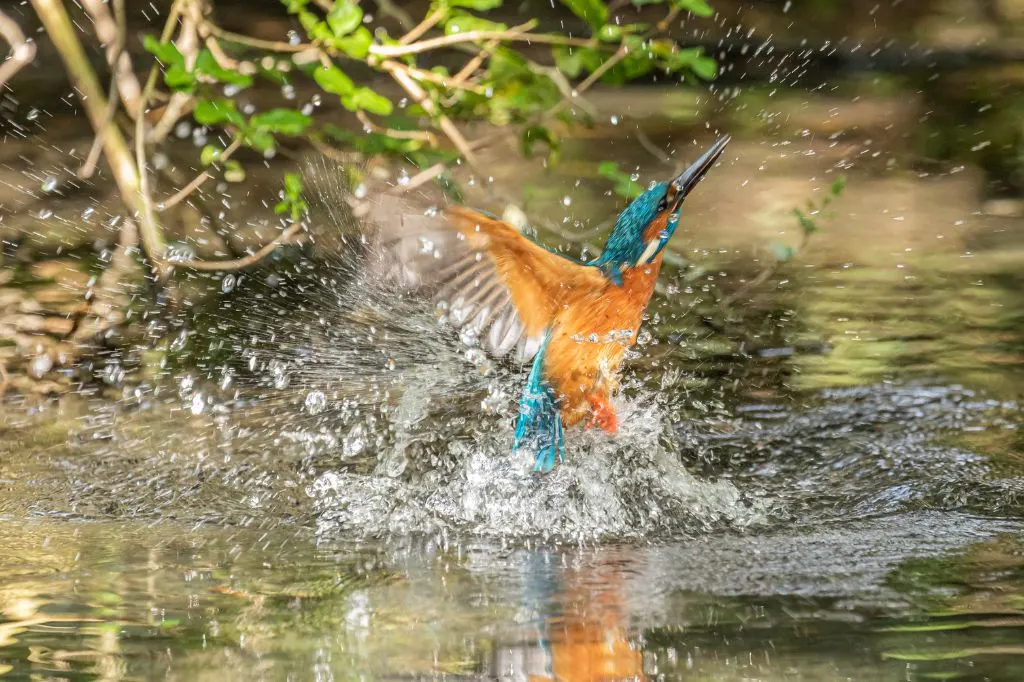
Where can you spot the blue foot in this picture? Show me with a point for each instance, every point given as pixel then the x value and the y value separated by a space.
pixel 540 422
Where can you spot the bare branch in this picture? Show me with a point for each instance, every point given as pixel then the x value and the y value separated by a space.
pixel 111 33
pixel 130 182
pixel 240 263
pixel 198 181
pixel 22 51
pixel 428 23
pixel 400 73
pixel 475 36
pixel 421 178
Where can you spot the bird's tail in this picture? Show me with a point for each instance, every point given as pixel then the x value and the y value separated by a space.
pixel 540 423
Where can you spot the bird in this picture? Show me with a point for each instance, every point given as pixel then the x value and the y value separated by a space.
pixel 573 320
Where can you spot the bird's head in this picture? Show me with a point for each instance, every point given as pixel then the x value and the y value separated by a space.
pixel 643 229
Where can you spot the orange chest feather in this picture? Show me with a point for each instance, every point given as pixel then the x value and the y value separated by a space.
pixel 593 329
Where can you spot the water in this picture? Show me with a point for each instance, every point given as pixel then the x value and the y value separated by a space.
pixel 318 485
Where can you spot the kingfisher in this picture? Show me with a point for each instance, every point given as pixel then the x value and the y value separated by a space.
pixel 574 320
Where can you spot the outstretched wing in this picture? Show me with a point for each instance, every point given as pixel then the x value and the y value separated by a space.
pixel 491 281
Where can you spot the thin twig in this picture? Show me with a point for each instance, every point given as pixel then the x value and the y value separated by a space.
pixel 240 263
pixel 428 23
pixel 424 135
pixel 129 177
pixel 102 18
pixel 653 149
pixel 421 178
pixel 257 43
pixel 111 32
pixel 475 36
pixel 198 181
pixel 399 73
pixel 617 57
pixel 473 64
pixel 22 51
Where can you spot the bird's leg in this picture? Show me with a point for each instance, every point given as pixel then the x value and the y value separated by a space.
pixel 602 413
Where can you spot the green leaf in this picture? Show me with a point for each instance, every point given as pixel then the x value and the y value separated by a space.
pixel 207 64
pixel 295 6
pixel 210 112
pixel 594 12
pixel 357 45
pixel 283 121
pixel 705 67
pixel 292 185
pixel 210 154
pixel 345 16
pixel 260 140
pixel 610 33
pixel 179 79
pixel 461 22
pixel 625 185
pixel 698 7
pixel 166 52
pixel 333 80
pixel 478 5
pixel 782 252
pixel 572 61
pixel 838 187
pixel 233 171
pixel 367 99
pixel 807 223
pixel 533 135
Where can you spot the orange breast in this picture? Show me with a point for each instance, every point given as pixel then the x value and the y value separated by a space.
pixel 592 331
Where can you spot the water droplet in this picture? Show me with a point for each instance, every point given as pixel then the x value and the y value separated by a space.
pixel 32 114
pixel 41 364
pixel 179 253
pixel 316 402
pixel 615 120
pixel 355 441
pixel 394 463
pixel 179 341
pixel 44 213
pixel 567 200
pixel 230 90
pixel 315 100
pixel 88 213
pixel 288 91
pixel 227 285
pixel 294 38
pixel 198 404
pixel 49 184
pixel 182 130
pixel 360 191
pixel 160 161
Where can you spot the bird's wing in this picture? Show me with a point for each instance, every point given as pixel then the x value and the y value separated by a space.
pixel 493 283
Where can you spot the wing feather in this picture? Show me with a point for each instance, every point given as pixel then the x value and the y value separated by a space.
pixel 494 281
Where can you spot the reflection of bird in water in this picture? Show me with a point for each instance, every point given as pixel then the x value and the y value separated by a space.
pixel 506 293
pixel 583 634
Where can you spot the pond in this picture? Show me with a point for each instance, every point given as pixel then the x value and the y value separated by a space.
pixel 821 482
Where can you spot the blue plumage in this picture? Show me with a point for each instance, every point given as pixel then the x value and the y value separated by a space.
pixel 540 422
pixel 626 243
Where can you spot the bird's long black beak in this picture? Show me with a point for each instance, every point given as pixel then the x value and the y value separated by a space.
pixel 689 178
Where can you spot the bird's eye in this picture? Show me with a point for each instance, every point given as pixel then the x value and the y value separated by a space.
pixel 662 205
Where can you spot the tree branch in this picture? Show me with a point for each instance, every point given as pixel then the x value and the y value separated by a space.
pixel 474 36
pixel 126 174
pixel 240 263
pixel 22 51
pixel 399 73
pixel 197 182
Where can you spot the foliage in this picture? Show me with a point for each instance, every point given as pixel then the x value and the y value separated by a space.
pixel 809 220
pixel 497 83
